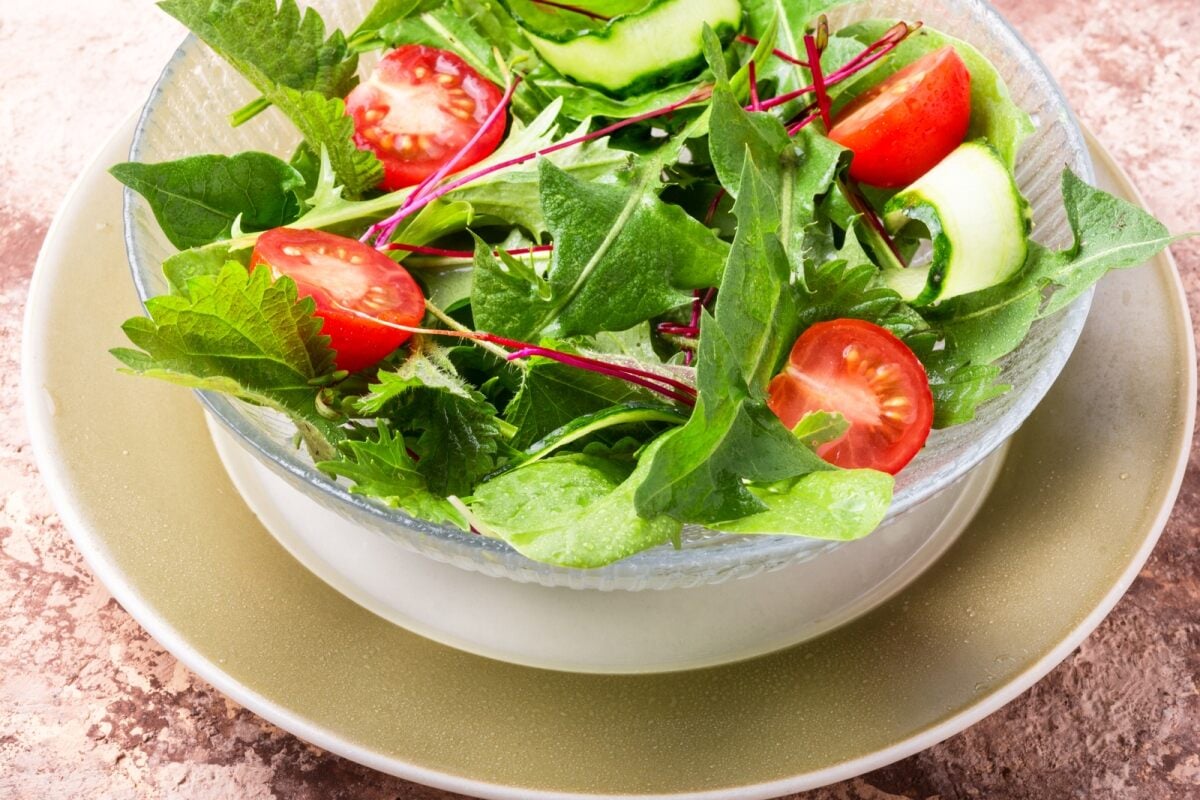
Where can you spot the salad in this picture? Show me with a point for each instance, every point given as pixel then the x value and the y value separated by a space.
pixel 576 275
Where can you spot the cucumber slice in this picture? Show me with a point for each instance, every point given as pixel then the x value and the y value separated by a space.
pixel 977 219
pixel 644 45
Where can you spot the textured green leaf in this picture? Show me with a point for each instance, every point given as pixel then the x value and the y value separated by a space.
pixel 240 333
pixel 381 467
pixel 427 364
pixel 325 126
pixel 286 57
pixel 459 439
pixel 272 46
pixel 197 199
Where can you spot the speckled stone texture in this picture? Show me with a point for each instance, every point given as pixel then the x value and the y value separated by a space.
pixel 90 707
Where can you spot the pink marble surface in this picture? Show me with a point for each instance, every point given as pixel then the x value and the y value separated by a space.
pixel 90 707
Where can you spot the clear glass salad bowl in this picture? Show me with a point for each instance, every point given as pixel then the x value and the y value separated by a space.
pixel 186 114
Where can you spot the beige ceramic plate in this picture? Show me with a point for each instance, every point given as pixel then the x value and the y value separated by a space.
pixel 1082 497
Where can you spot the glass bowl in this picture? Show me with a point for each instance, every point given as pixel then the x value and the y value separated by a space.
pixel 186 114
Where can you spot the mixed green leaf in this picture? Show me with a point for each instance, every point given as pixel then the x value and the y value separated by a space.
pixel 606 248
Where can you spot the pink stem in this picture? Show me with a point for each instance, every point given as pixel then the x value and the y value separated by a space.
pixel 712 207
pixel 573 9
pixel 866 58
pixel 500 340
pixel 755 105
pixel 700 94
pixel 818 79
pixel 384 230
pixel 780 54
pixel 602 369
pixel 439 251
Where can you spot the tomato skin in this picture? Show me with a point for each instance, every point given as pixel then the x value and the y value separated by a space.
pixel 870 377
pixel 419 107
pixel 901 128
pixel 344 276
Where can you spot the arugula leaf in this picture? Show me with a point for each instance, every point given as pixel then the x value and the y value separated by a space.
pixel 1109 233
pixel 994 115
pixel 572 510
pixel 697 474
pixel 551 395
pixel 239 333
pixel 196 200
pixel 287 59
pixel 840 505
pixel 621 256
pixel 382 468
pixel 799 169
pixel 271 46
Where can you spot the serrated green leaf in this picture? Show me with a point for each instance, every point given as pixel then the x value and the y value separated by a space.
pixel 427 364
pixel 325 126
pixel 240 333
pixel 459 439
pixel 272 46
pixel 381 467
pixel 197 199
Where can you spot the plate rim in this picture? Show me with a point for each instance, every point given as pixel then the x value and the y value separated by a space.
pixel 40 426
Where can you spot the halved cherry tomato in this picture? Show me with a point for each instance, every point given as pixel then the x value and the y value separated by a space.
pixel 418 108
pixel 868 376
pixel 902 128
pixel 347 279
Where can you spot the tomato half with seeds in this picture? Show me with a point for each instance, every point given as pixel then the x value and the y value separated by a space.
pixel 901 128
pixel 357 290
pixel 419 107
pixel 871 378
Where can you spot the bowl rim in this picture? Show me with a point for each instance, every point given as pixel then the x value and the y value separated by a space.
pixel 282 460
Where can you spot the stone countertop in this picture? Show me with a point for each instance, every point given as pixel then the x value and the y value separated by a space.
pixel 91 707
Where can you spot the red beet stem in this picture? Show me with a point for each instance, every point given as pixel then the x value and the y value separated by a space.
pixel 440 251
pixel 818 78
pixel 573 9
pixel 780 54
pixel 870 54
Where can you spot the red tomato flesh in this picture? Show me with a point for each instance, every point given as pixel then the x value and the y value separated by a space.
pixel 868 376
pixel 419 107
pixel 901 128
pixel 347 279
